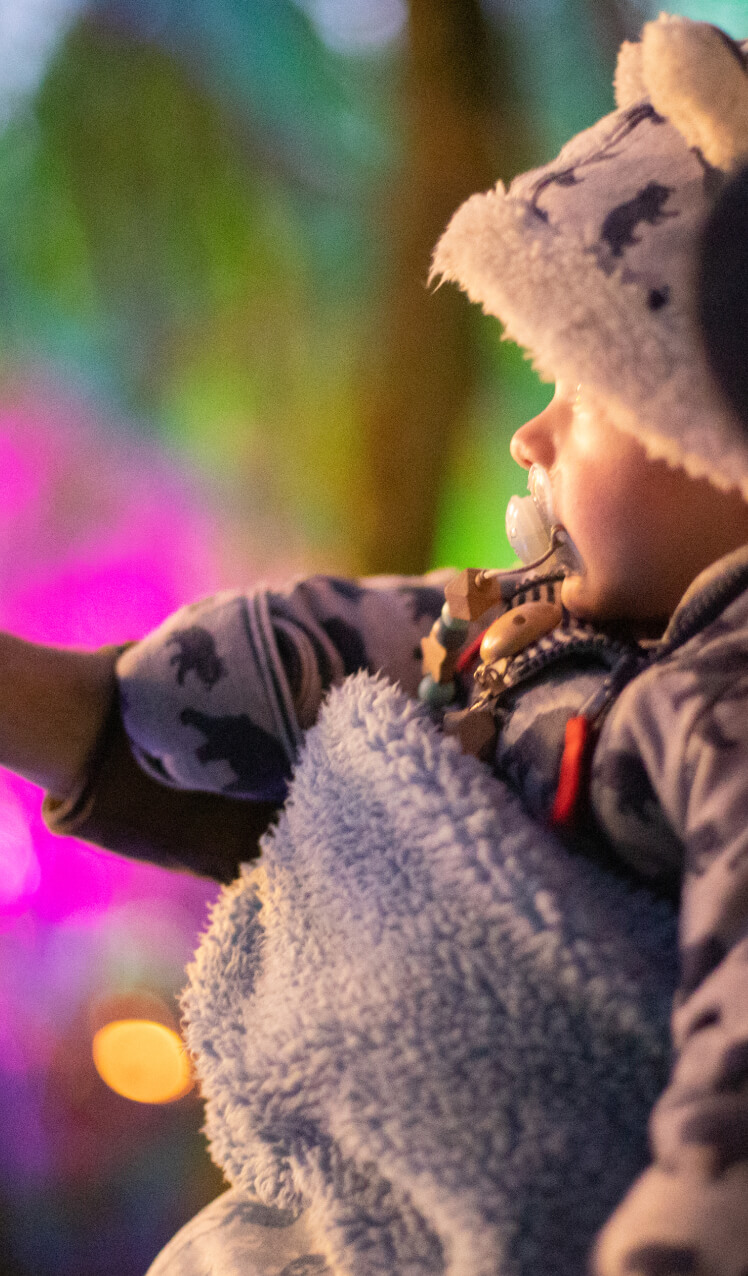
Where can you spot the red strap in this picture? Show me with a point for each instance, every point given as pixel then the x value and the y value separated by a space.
pixel 573 772
pixel 468 655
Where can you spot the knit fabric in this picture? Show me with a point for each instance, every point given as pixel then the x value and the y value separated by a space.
pixel 421 1020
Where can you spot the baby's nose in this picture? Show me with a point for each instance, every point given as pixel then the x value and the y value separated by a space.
pixel 533 442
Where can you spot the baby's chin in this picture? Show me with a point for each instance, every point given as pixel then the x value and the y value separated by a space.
pixel 596 606
pixel 578 599
pixel 588 601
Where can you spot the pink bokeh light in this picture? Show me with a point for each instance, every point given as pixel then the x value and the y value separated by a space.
pixel 102 535
pixel 100 538
pixel 20 874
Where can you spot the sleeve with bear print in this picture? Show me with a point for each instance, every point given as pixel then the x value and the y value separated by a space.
pixel 687 719
pixel 218 697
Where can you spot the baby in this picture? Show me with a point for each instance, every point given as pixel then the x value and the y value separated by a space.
pixel 644 529
pixel 180 748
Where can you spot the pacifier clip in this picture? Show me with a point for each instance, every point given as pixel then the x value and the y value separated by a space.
pixel 580 738
pixel 468 596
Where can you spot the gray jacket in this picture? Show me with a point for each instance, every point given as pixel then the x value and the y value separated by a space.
pixel 217 700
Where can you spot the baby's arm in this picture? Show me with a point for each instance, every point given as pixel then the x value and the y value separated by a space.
pixel 214 705
pixel 689 1212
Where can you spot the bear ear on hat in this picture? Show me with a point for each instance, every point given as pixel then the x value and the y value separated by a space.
pixel 628 82
pixel 696 77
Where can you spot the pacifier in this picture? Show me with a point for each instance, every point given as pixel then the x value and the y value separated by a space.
pixel 533 529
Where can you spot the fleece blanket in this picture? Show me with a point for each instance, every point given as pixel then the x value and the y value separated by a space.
pixel 420 1020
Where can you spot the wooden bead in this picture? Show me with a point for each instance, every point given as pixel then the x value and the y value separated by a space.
pixel 517 628
pixel 438 660
pixel 436 695
pixel 470 594
pixel 450 632
pixel 453 624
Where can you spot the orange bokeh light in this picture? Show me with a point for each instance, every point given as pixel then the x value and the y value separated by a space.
pixel 142 1060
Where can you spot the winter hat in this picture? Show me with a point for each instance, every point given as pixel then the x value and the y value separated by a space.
pixel 590 261
pixel 722 292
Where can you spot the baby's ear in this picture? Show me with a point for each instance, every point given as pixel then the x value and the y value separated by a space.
pixel 696 77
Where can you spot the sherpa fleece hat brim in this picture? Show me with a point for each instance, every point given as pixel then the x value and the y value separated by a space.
pixel 589 262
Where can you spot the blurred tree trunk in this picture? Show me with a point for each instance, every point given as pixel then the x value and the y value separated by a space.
pixel 457 114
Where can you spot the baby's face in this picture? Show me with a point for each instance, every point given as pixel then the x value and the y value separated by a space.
pixel 643 529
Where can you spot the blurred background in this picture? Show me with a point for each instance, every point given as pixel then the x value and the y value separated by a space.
pixel 220 363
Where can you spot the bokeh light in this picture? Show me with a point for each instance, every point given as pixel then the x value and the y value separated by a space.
pixel 29 32
pixel 101 535
pixel 357 26
pixel 142 1060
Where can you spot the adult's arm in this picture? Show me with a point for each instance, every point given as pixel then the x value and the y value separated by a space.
pixel 53 705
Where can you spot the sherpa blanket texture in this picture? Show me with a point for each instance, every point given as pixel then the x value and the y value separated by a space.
pixel 423 1021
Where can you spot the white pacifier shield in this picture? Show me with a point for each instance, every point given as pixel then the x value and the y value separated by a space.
pixel 525 529
pixel 531 519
